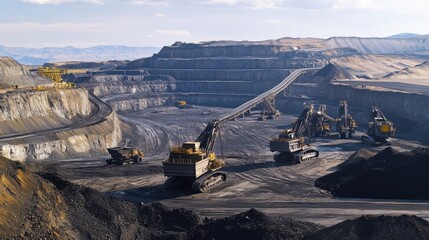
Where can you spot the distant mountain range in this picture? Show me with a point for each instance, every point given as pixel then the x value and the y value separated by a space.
pixel 39 56
pixel 408 35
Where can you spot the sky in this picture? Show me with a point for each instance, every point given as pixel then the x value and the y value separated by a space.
pixel 150 23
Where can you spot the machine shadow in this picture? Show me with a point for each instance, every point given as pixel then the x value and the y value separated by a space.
pixel 252 166
pixel 150 194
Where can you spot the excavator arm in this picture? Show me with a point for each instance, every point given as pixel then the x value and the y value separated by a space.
pixel 207 138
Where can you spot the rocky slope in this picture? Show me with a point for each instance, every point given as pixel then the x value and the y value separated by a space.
pixel 13 73
pixel 380 45
pixel 30 207
pixel 25 112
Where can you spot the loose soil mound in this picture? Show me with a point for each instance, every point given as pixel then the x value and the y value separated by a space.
pixel 333 72
pixel 388 174
pixel 254 225
pixel 30 207
pixel 98 216
pixel 376 227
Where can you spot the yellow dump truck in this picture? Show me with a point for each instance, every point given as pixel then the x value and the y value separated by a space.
pixel 124 155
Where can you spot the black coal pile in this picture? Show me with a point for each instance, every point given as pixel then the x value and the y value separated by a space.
pixel 388 174
pixel 331 72
pixel 94 215
pixel 375 228
pixel 98 216
pixel 254 224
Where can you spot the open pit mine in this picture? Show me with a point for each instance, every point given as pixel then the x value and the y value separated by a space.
pixel 278 139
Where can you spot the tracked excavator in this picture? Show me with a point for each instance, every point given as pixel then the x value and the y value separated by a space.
pixel 195 162
pixel 322 122
pixel 290 146
pixel 379 128
pixel 346 125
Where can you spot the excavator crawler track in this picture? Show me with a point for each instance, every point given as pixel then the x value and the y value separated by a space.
pixel 208 181
pixel 287 157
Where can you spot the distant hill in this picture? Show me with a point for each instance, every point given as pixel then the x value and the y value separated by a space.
pixel 406 35
pixel 39 56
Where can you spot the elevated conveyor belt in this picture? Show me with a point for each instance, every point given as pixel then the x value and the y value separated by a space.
pixel 266 95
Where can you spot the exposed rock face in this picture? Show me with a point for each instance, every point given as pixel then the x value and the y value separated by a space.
pixel 124 87
pixel 12 73
pixel 64 103
pixel 380 45
pixel 11 68
pixel 30 207
pixel 92 140
pixel 137 102
pixel 33 111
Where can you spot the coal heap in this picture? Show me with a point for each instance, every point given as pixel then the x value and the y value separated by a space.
pixel 97 216
pixel 332 72
pixel 376 227
pixel 388 174
pixel 254 224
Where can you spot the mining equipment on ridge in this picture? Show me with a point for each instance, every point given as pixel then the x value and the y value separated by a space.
pixel 124 155
pixel 195 163
pixel 290 146
pixel 346 125
pixel 379 128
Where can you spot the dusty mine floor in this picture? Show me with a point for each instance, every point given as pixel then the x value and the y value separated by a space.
pixel 254 179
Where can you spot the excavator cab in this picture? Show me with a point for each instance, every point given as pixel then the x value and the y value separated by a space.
pixel 379 129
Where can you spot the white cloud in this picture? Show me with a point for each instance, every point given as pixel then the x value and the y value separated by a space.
pixel 57 2
pixel 160 15
pixel 174 32
pixel 401 6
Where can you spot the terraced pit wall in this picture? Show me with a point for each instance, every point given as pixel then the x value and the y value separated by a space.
pixel 27 112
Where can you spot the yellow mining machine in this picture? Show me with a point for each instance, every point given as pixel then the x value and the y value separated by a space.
pixel 346 125
pixel 124 155
pixel 182 104
pixel 379 128
pixel 55 74
pixel 290 146
pixel 195 163
pixel 321 122
pixel 52 73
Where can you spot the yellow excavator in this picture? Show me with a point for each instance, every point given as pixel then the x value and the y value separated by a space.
pixel 380 129
pixel 124 155
pixel 290 146
pixel 195 163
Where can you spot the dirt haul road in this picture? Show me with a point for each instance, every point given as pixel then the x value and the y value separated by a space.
pixel 254 179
